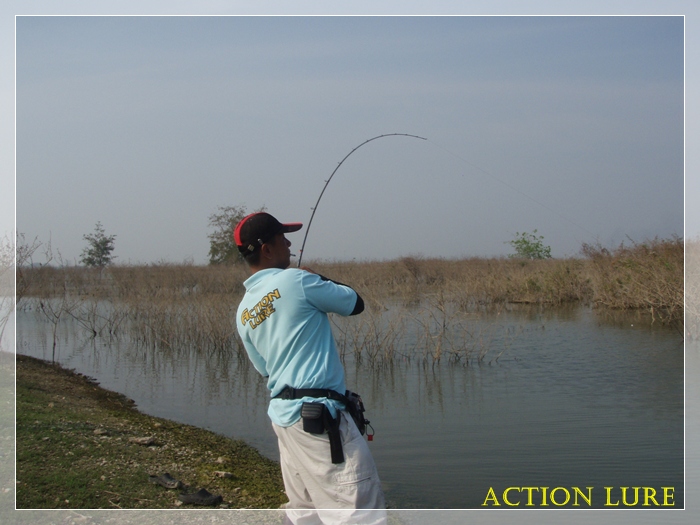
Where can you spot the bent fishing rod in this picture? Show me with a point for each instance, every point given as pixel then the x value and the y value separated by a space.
pixel 313 212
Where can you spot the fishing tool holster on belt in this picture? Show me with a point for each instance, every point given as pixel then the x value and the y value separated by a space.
pixel 317 419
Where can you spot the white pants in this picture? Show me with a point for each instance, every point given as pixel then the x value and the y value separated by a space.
pixel 321 492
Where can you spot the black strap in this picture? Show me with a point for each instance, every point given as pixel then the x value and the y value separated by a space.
pixel 336 443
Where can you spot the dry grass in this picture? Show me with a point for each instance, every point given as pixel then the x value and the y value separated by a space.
pixel 470 282
pixel 416 308
pixel 644 276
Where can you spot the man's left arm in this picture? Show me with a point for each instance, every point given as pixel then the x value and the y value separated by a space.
pixel 359 304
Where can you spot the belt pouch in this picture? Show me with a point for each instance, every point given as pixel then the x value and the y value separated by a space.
pixel 312 414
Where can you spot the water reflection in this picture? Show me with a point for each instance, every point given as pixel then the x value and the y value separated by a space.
pixel 573 400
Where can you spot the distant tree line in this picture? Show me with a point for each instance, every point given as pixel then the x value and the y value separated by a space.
pixel 223 250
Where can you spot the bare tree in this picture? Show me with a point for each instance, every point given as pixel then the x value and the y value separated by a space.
pixel 7 260
pixel 24 258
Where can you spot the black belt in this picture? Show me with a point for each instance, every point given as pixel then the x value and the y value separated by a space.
pixel 297 393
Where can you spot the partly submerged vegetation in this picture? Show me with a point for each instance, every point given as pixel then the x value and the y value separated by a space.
pixel 416 307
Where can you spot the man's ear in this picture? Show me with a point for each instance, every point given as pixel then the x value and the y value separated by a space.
pixel 266 251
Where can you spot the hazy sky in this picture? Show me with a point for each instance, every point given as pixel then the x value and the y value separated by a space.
pixel 573 126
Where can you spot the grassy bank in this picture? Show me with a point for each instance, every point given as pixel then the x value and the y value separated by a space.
pixel 77 447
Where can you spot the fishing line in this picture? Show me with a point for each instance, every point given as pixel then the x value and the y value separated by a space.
pixel 313 212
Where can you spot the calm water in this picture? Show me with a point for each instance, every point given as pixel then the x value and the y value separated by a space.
pixel 575 400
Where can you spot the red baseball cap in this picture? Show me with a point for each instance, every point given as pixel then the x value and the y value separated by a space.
pixel 258 228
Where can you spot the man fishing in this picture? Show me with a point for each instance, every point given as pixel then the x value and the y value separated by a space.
pixel 329 473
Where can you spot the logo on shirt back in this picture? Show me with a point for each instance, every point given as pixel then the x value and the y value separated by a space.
pixel 261 311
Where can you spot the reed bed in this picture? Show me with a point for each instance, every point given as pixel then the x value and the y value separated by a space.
pixel 643 276
pixel 429 310
pixel 471 283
